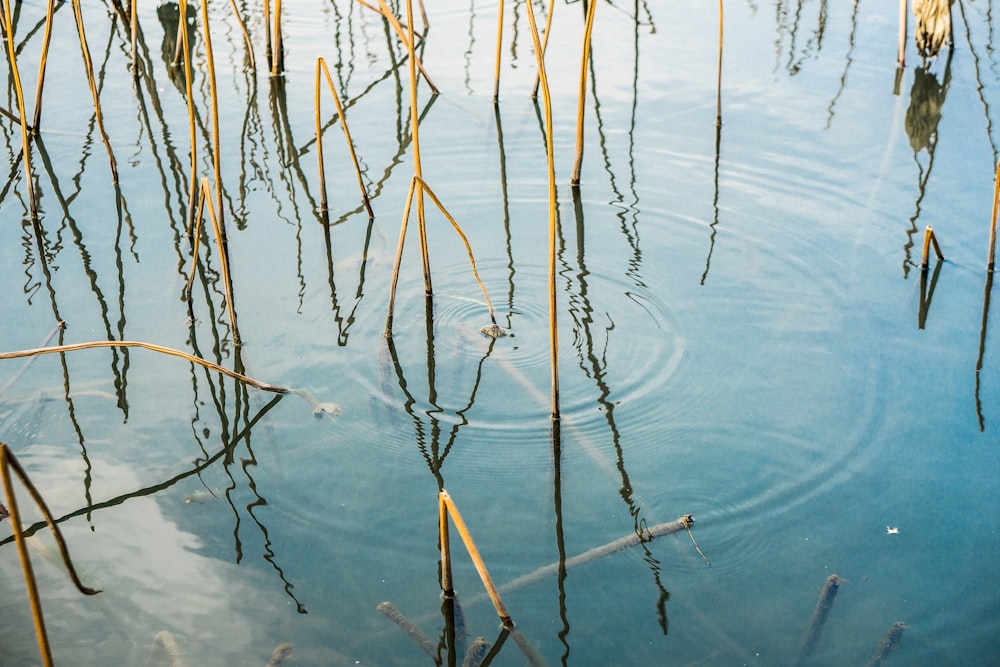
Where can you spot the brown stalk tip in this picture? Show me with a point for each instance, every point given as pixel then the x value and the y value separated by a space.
pixel 493 331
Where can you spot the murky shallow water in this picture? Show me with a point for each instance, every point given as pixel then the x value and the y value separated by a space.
pixel 739 340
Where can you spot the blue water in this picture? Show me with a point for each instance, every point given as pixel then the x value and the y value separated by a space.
pixel 744 336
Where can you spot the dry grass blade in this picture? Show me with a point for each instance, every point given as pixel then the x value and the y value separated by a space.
pixel 15 74
pixel 582 100
pixel 88 64
pixel 468 248
pixel 60 349
pixel 9 462
pixel 547 101
pixel 321 64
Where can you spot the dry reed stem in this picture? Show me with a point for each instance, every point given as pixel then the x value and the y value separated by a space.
pixel 205 197
pixel 582 100
pixel 213 89
pixel 447 587
pixel 88 64
pixel 134 26
pixel 901 48
pixel 246 35
pixel 496 73
pixel 930 238
pixel 25 145
pixel 46 40
pixel 477 560
pixel 399 256
pixel 321 63
pixel 267 32
pixel 993 224
pixel 547 101
pixel 402 34
pixel 9 462
pixel 468 248
pixel 263 386
pixel 278 61
pixel 415 134
pixel 718 76
pixel 545 45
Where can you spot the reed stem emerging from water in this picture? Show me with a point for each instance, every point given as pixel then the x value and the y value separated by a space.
pixel 547 101
pixel 278 61
pixel 386 13
pixel 993 223
pixel 9 462
pixel 246 35
pixel 545 44
pixel 213 89
pixel 477 560
pixel 43 59
pixel 321 65
pixel 496 73
pixel 93 88
pixel 582 100
pixel 929 239
pixel 25 145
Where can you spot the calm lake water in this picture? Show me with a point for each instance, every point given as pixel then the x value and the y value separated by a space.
pixel 745 336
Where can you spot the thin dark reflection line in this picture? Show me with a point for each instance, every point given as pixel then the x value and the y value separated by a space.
pixel 848 59
pixel 982 349
pixel 560 535
pixel 471 47
pixel 344 323
pixel 715 203
pixel 927 294
pixel 152 489
pixel 505 200
pixel 595 367
pixel 980 86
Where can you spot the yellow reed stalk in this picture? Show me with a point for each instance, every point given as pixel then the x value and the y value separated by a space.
pixel 46 40
pixel 446 582
pixel 545 44
pixel 930 238
pixel 321 63
pixel 246 35
pixel 60 349
pixel 718 76
pixel 496 75
pixel 402 34
pixel 216 158
pixel 468 248
pixel 88 64
pixel 547 100
pixel 993 225
pixel 267 32
pixel 278 61
pixel 25 146
pixel 399 257
pixel 582 100
pixel 477 560
pixel 134 25
pixel 901 48
pixel 415 133
pixel 9 462
pixel 205 197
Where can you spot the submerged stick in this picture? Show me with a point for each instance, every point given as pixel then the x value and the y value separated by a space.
pixel 263 386
pixel 888 644
pixel 823 606
pixel 603 551
pixel 408 626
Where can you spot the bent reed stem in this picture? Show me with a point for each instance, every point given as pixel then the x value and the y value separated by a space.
pixel 89 66
pixel 19 91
